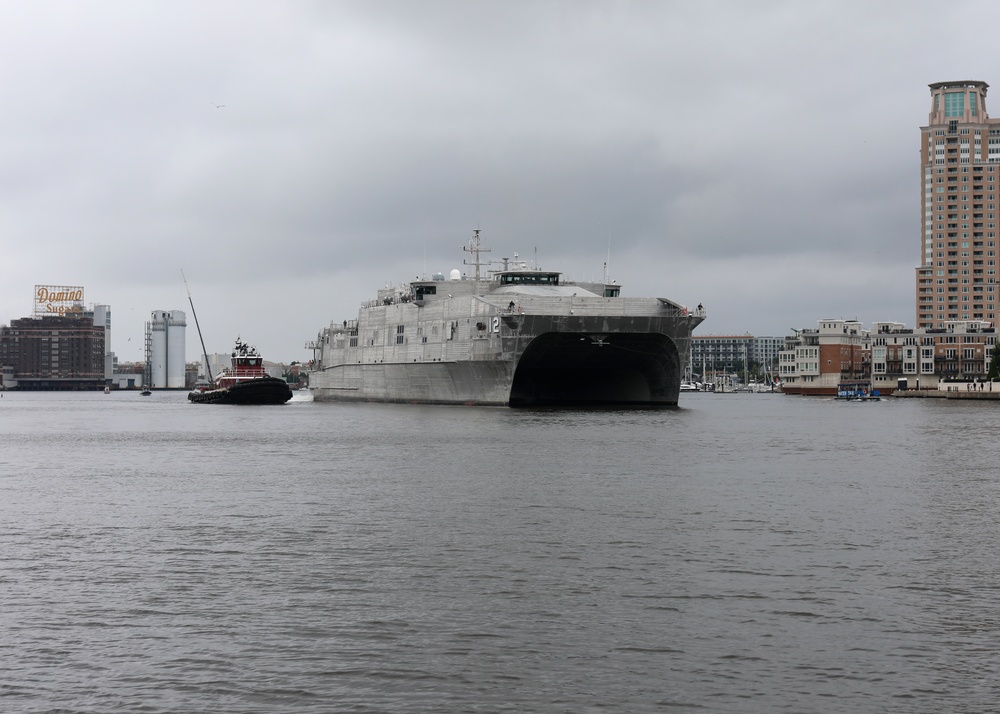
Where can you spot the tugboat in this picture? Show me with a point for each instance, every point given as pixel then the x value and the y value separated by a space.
pixel 245 382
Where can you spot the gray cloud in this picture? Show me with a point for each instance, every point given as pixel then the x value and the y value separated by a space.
pixel 293 157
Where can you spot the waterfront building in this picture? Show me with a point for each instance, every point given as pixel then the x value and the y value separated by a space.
pixel 731 352
pixel 726 353
pixel 764 352
pixel 53 352
pixel 128 375
pixel 890 356
pixel 815 361
pixel 924 358
pixel 960 165
pixel 101 315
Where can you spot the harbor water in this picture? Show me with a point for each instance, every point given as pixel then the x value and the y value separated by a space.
pixel 743 553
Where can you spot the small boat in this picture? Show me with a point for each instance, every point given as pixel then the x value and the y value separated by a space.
pixel 857 392
pixel 245 382
pixel 146 391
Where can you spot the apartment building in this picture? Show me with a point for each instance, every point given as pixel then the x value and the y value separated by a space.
pixel 960 164
pixel 815 361
pixel 889 356
pixel 732 352
pixel 52 352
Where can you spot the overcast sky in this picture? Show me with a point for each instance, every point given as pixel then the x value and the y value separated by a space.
pixel 293 157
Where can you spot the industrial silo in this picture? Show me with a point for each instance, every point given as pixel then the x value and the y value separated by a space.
pixel 176 329
pixel 165 349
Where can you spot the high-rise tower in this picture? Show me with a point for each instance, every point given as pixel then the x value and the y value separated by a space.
pixel 960 164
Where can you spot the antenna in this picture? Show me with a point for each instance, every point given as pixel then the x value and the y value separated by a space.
pixel 475 248
pixel 608 261
pixel 204 352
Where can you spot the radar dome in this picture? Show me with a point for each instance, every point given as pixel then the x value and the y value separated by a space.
pixel 456 274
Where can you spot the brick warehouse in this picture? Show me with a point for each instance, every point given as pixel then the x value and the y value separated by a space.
pixel 53 353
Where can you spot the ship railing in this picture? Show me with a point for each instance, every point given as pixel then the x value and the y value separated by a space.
pixel 624 307
pixel 399 298
pixel 345 326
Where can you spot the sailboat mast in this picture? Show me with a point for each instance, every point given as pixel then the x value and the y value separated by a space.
pixel 204 352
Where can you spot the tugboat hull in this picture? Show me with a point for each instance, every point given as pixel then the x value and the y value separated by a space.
pixel 265 390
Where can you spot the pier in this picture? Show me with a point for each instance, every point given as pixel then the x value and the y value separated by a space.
pixel 970 390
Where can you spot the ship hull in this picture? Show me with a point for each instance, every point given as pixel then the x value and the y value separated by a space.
pixel 265 390
pixel 522 337
pixel 531 360
pixel 468 383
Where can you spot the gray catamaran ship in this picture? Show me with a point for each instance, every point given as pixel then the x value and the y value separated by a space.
pixel 517 337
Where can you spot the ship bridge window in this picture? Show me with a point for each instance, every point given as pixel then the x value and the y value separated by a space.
pixel 611 292
pixel 420 290
pixel 529 278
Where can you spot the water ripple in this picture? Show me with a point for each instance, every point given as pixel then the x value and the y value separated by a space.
pixel 751 555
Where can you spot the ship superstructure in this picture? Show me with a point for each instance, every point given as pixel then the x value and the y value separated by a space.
pixel 517 337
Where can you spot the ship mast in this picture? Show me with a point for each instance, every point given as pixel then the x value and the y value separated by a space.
pixel 475 248
pixel 204 352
